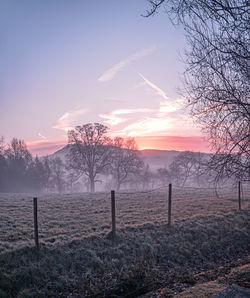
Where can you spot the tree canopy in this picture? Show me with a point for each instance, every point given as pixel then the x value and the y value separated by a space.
pixel 217 76
pixel 89 151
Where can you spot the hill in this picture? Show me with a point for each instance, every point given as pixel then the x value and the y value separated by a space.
pixel 154 158
pixel 158 158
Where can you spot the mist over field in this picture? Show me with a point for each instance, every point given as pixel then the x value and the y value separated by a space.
pixel 124 149
pixel 103 166
pixel 80 253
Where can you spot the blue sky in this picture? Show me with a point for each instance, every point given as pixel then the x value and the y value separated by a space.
pixel 67 63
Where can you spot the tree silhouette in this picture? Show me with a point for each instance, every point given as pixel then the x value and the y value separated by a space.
pixel 125 160
pixel 90 151
pixel 217 76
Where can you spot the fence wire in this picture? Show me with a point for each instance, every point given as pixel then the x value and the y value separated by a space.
pixel 67 217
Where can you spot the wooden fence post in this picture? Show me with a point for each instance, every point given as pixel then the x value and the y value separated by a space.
pixel 35 223
pixel 113 212
pixel 239 194
pixel 169 203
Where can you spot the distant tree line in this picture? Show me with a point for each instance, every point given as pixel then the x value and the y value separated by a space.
pixel 21 172
pixel 92 153
pixel 93 158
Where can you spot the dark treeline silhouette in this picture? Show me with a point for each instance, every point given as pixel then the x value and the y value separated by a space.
pixel 91 157
pixel 123 169
pixel 17 166
pixel 217 76
pixel 21 172
pixel 93 161
pixel 92 153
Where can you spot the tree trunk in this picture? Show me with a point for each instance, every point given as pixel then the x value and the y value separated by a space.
pixel 92 184
pixel 118 184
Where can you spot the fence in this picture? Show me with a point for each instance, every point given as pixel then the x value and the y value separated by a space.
pixel 67 217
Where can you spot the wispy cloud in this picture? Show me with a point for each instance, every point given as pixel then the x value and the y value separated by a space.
pixel 155 125
pixel 42 136
pixel 147 127
pixel 158 90
pixel 111 72
pixel 70 119
pixel 168 107
pixel 115 117
pixel 169 118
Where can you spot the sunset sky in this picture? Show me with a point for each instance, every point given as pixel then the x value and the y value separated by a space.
pixel 66 63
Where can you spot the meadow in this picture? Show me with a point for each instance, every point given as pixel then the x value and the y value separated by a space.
pixel 78 258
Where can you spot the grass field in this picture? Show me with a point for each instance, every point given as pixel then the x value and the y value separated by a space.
pixel 78 259
pixel 68 217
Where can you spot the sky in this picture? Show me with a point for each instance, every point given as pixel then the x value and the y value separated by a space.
pixel 70 62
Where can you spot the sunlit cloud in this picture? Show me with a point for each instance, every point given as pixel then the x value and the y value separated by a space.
pixel 116 117
pixel 42 136
pixel 157 89
pixel 112 119
pixel 169 118
pixel 111 72
pixel 70 119
pixel 146 127
pixel 170 106
pixel 160 126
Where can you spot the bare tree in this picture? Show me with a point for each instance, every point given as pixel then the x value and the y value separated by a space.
pixel 163 175
pixel 37 174
pixel 184 167
pixel 147 178
pixel 19 161
pixel 2 146
pixel 57 173
pixel 90 151
pixel 125 160
pixel 218 76
pixel 3 165
pixel 47 172
pixel 72 179
pixel 17 150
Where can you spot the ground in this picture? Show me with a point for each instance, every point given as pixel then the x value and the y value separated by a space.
pixel 208 237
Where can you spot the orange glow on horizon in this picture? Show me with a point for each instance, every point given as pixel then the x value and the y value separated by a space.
pixel 192 143
pixel 177 143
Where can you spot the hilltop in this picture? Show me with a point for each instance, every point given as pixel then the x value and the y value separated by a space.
pixel 154 158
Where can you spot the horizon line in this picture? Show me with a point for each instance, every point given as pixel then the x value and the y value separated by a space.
pixel 161 143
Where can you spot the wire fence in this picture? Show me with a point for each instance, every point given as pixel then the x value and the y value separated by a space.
pixel 67 217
